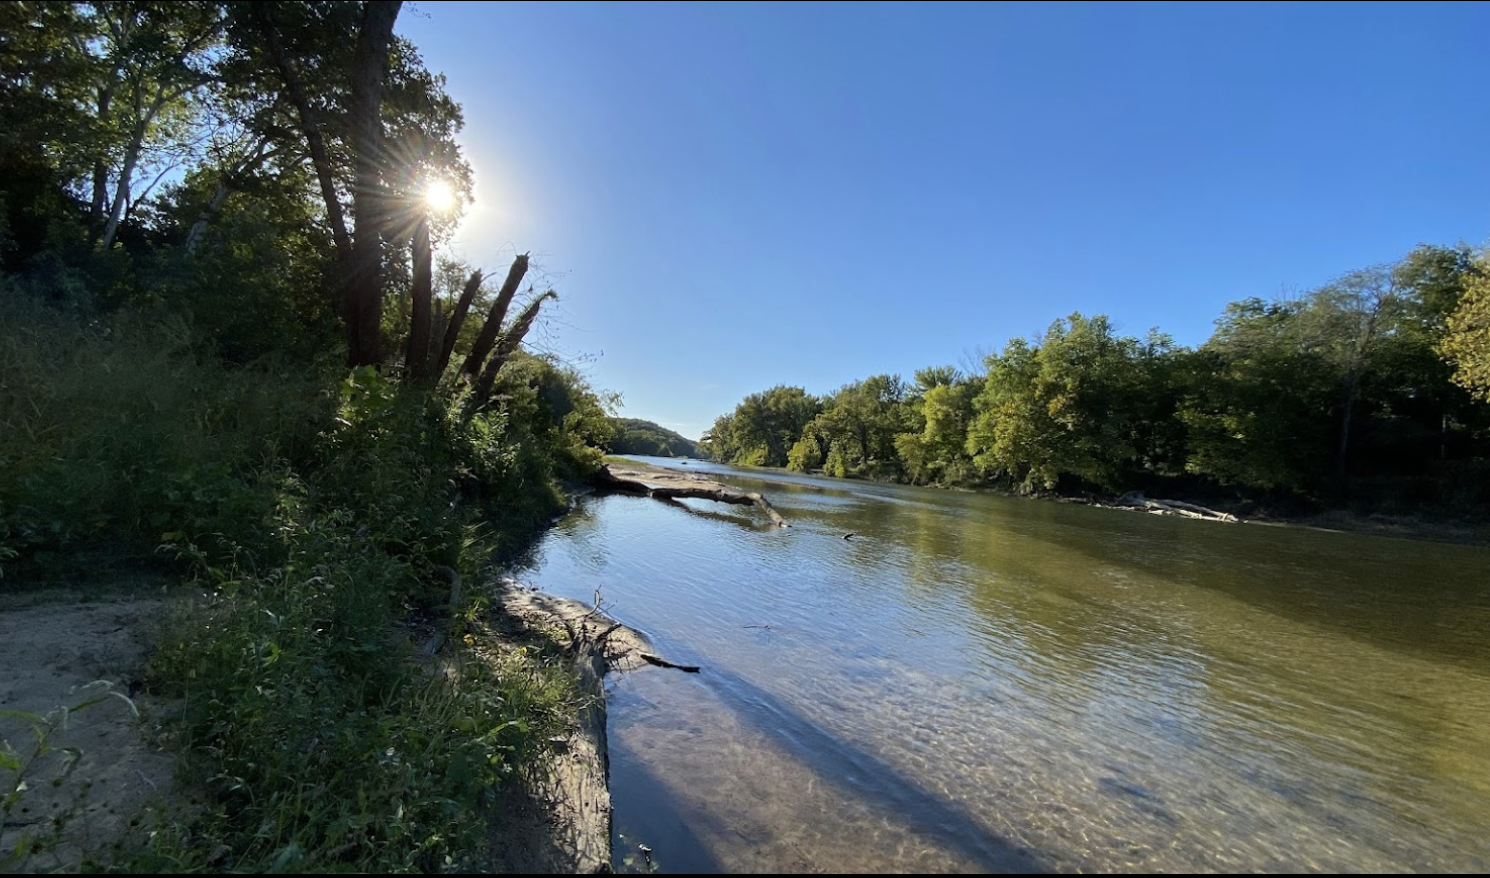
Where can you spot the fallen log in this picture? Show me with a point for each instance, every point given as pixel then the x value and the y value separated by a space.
pixel 606 480
pixel 1136 500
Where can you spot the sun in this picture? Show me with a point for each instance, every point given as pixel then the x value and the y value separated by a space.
pixel 439 196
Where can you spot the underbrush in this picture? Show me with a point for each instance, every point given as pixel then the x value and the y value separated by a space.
pixel 319 523
pixel 322 744
pixel 118 432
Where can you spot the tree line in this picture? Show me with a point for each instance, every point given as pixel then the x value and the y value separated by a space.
pixel 1370 388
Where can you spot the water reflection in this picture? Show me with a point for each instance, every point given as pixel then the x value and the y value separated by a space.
pixel 974 683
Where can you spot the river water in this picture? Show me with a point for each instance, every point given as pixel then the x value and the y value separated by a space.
pixel 977 683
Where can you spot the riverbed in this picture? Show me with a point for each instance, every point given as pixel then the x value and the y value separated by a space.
pixel 978 683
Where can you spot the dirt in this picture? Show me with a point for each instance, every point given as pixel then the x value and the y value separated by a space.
pixel 67 671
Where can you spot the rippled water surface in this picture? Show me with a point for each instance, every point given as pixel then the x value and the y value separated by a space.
pixel 977 683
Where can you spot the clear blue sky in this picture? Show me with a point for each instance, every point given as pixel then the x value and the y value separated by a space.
pixel 730 197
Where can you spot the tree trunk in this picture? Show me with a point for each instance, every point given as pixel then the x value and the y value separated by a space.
pixel 605 480
pixel 99 203
pixel 510 340
pixel 369 213
pixel 1350 393
pixel 315 142
pixel 225 187
pixel 456 321
pixel 493 326
pixel 121 191
pixel 214 205
pixel 419 308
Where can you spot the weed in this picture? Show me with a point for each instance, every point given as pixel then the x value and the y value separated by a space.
pixel 22 839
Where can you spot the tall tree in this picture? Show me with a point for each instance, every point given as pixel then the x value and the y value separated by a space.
pixel 360 247
pixel 1256 401
pixel 1346 320
pixel 109 95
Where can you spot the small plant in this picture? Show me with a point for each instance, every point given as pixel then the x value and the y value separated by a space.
pixel 18 768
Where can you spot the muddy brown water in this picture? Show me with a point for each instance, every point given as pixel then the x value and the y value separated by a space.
pixel 975 683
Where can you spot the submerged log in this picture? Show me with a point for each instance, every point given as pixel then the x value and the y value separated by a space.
pixel 664 663
pixel 608 481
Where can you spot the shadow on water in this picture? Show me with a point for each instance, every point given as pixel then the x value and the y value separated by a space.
pixel 855 772
pixel 652 815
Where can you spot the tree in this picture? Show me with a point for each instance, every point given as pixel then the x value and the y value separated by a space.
pixel 1346 321
pixel 857 428
pixel 763 427
pixel 110 95
pixel 938 412
pixel 1061 408
pixel 1466 341
pixel 359 247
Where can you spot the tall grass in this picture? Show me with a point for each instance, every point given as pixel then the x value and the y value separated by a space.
pixel 119 432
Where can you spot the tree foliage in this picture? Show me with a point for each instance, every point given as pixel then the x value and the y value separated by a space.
pixel 144 144
pixel 1466 338
pixel 635 436
pixel 1341 391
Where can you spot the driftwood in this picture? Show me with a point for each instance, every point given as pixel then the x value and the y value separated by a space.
pixel 1136 500
pixel 607 481
pixel 664 663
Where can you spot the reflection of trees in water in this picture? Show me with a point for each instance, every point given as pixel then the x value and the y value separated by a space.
pixel 1295 660
pixel 577 533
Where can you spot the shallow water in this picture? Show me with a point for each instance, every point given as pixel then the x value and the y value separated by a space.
pixel 977 683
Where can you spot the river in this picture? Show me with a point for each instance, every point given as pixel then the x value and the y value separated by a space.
pixel 976 683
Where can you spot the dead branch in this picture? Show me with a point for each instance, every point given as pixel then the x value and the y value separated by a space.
pixel 510 340
pixel 457 320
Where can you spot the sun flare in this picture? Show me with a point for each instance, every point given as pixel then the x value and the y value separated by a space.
pixel 439 196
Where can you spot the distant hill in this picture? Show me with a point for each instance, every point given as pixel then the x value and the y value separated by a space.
pixel 635 436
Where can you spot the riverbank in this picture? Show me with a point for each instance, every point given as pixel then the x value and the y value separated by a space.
pixel 94 747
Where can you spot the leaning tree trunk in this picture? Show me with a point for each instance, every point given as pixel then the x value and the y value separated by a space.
pixel 315 141
pixel 487 339
pixel 457 320
pixel 510 340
